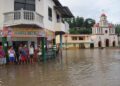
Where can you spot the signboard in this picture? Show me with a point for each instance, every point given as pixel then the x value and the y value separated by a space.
pixel 28 32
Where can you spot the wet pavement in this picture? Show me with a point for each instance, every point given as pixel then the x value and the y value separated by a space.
pixel 95 67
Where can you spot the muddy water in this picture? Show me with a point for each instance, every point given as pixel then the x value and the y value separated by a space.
pixel 75 68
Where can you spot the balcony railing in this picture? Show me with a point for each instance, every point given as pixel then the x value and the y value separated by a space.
pixel 23 17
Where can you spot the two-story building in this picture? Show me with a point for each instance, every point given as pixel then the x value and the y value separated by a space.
pixel 27 21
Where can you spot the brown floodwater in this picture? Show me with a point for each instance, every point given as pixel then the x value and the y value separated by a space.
pixel 89 67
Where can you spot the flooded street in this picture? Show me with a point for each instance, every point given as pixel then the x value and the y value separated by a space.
pixel 87 67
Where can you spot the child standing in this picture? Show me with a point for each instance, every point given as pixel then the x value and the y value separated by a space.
pixel 11 54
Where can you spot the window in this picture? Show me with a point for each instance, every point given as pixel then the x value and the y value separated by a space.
pixel 58 17
pixel 50 13
pixel 74 38
pixel 81 38
pixel 24 4
pixel 106 31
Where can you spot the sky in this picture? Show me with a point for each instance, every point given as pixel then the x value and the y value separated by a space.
pixel 94 8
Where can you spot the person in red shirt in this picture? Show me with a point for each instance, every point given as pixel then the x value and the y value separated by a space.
pixel 27 53
pixel 2 56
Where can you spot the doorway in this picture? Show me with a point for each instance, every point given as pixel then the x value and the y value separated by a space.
pixel 99 44
pixel 107 43
pixel 114 43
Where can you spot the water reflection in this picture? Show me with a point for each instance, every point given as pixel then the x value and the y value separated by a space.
pixel 93 67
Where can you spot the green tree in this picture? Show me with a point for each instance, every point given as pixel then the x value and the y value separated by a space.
pixel 117 30
pixel 79 21
pixel 89 23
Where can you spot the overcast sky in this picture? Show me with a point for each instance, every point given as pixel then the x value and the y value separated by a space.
pixel 94 8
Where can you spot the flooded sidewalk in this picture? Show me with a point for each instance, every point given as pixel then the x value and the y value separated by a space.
pixel 85 67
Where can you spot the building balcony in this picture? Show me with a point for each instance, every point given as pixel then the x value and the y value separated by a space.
pixel 23 17
pixel 62 27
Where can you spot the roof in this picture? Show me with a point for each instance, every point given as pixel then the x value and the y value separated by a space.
pixel 65 11
pixel 57 2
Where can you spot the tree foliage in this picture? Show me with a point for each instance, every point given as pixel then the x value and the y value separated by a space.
pixel 117 30
pixel 79 25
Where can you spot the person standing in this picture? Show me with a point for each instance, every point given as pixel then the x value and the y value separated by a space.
pixel 27 53
pixel 39 53
pixel 11 54
pixel 31 53
pixel 2 56
pixel 20 51
pixel 23 56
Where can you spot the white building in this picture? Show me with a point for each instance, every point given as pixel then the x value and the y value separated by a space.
pixel 104 33
pixel 26 21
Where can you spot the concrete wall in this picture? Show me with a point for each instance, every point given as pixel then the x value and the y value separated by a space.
pixel 5 6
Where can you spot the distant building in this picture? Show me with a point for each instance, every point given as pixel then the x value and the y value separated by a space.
pixel 76 41
pixel 103 35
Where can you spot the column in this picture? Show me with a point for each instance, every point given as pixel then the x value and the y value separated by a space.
pixel 61 40
pixel 43 49
pixel 54 47
pixel 4 44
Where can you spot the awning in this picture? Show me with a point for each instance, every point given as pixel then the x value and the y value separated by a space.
pixel 65 11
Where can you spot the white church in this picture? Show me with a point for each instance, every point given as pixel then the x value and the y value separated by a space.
pixel 103 33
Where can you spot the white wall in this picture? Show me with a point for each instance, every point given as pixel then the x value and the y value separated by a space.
pixel 41 8
pixel 102 38
pixel 5 6
pixel 49 24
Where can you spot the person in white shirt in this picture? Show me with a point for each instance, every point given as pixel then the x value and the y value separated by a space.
pixel 11 54
pixel 31 53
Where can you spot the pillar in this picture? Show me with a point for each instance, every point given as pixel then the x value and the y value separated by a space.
pixel 54 47
pixel 43 49
pixel 4 44
pixel 61 41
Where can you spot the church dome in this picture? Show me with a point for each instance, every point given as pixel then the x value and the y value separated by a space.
pixel 103 14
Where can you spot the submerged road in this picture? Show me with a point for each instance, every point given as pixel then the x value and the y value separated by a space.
pixel 89 67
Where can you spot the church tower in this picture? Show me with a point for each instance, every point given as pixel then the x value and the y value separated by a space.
pixel 103 27
pixel 103 20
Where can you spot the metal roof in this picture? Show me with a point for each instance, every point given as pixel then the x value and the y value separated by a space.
pixel 64 10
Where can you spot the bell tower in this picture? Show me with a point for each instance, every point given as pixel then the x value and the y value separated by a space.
pixel 103 20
